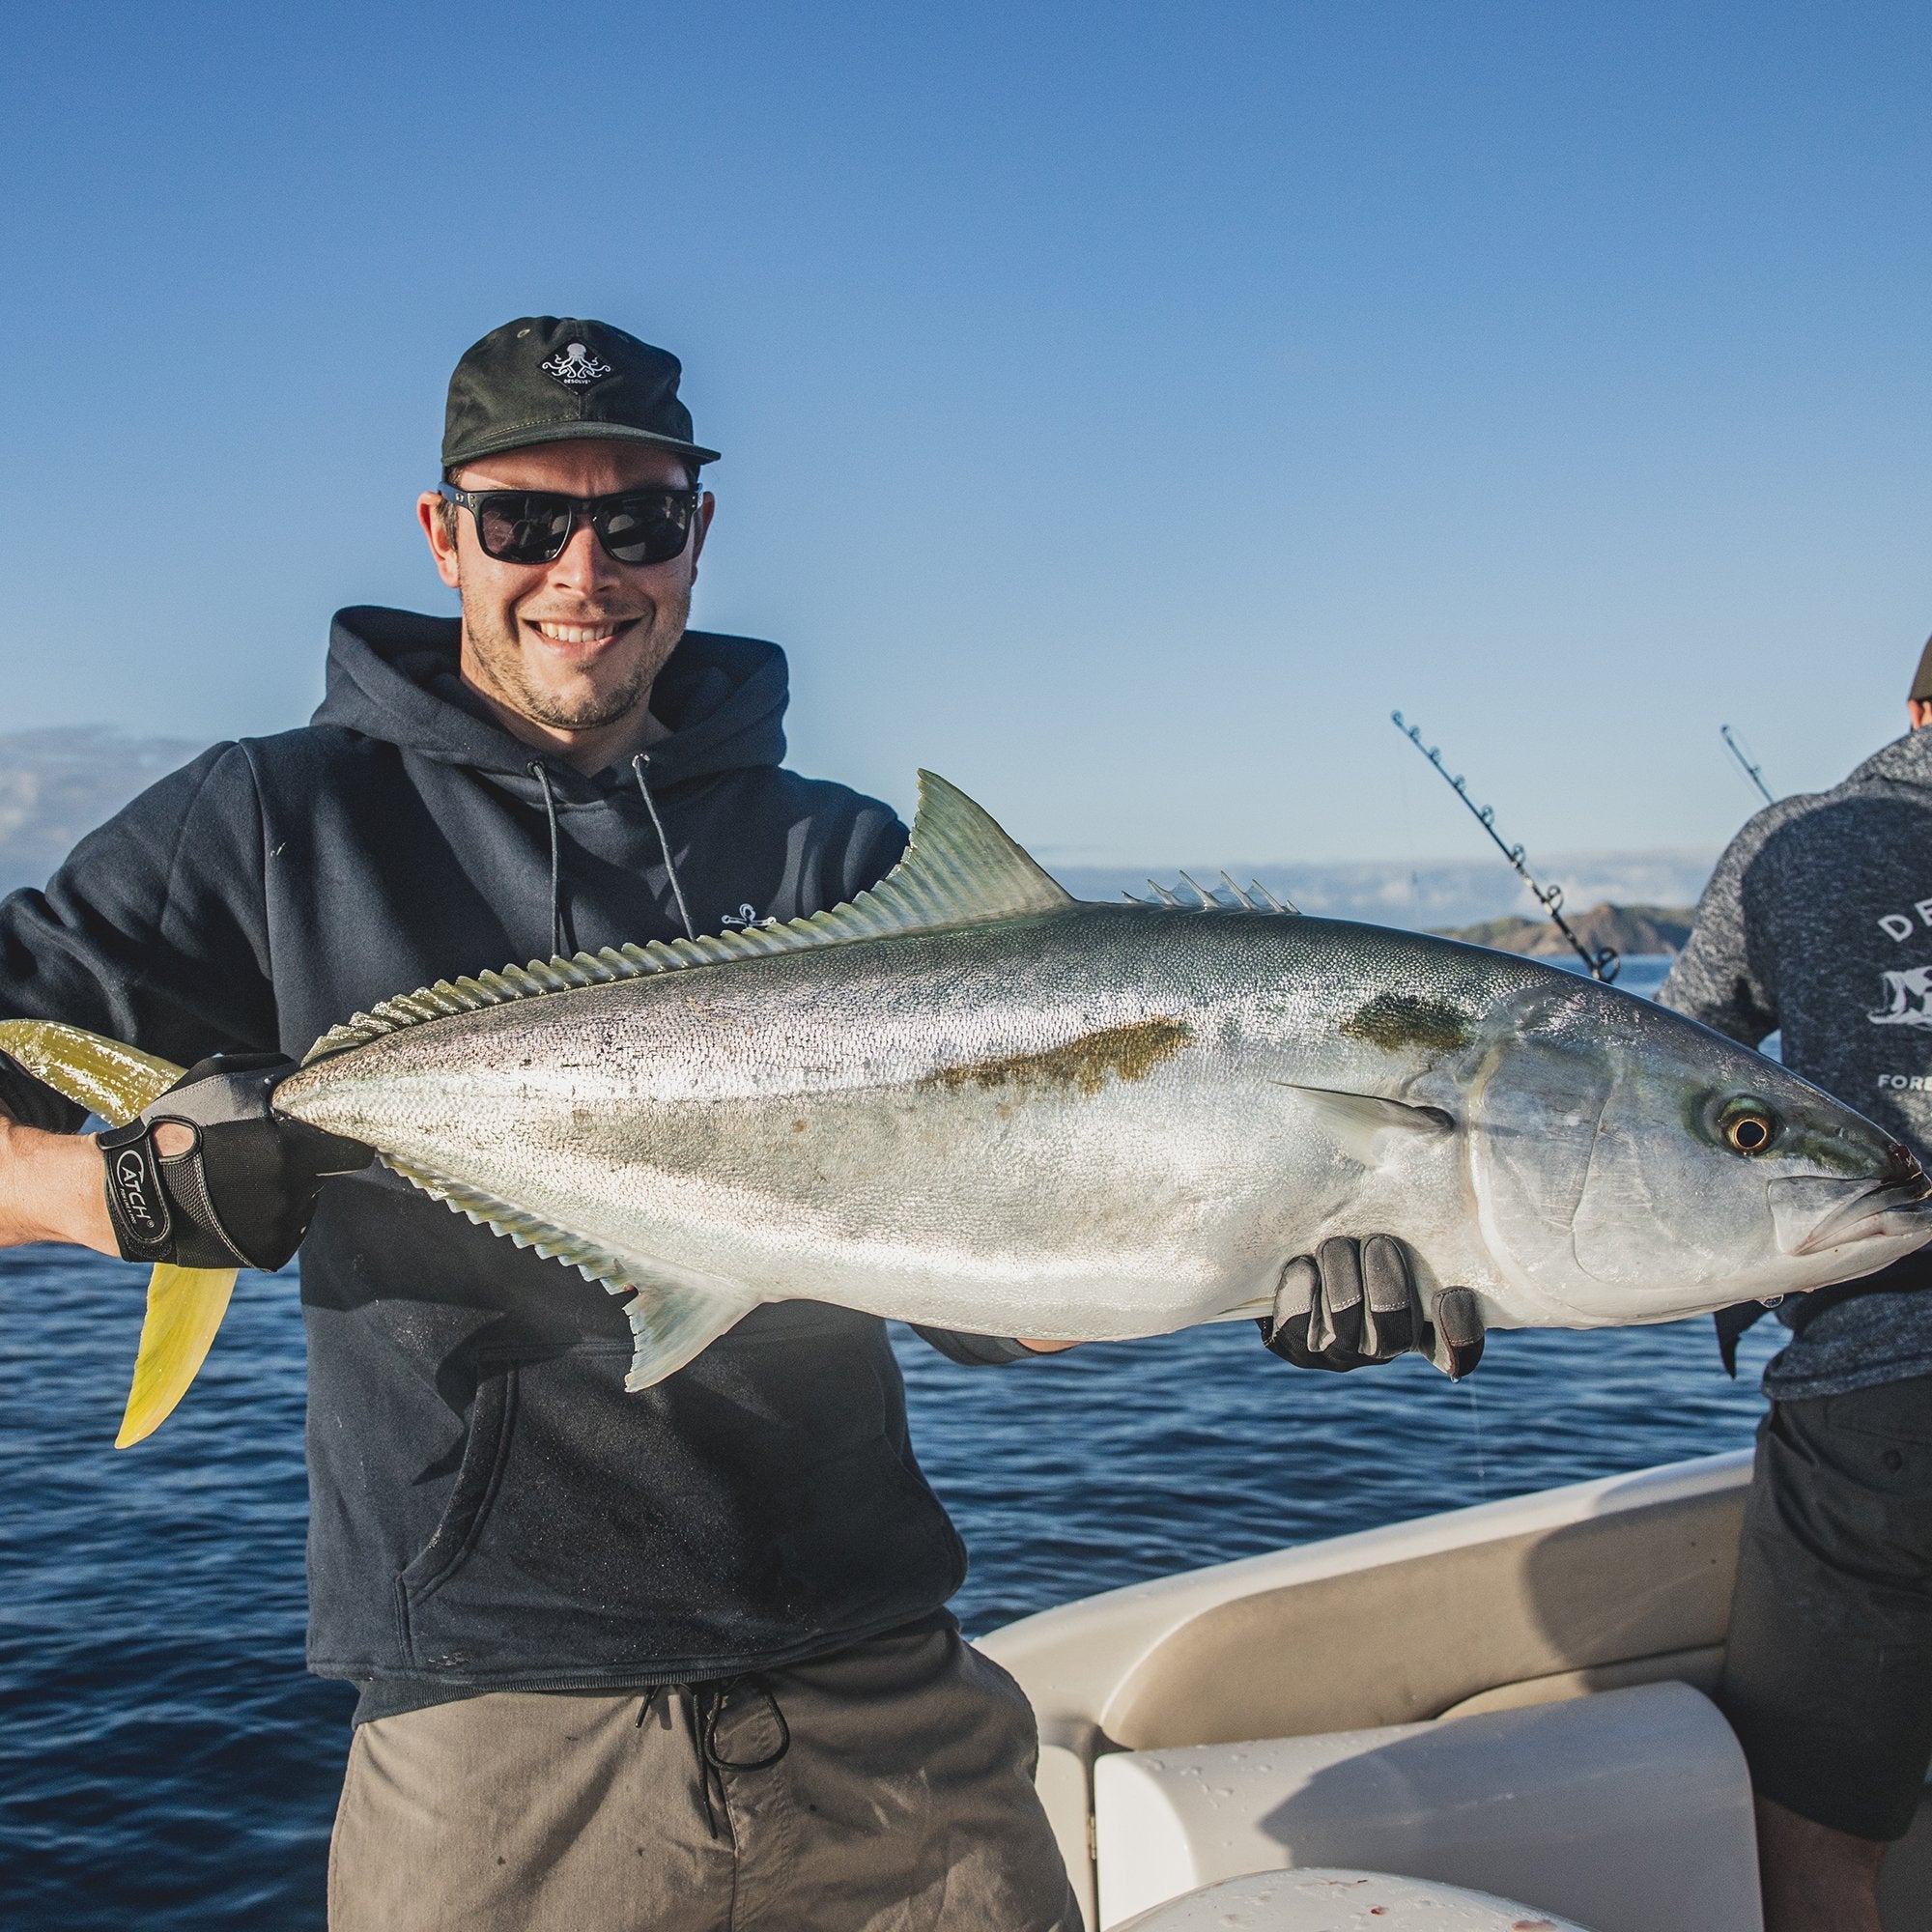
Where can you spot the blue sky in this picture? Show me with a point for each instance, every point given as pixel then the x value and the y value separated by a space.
pixel 1124 406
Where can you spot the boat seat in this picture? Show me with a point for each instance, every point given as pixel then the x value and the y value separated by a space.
pixel 1326 1901
pixel 1629 1811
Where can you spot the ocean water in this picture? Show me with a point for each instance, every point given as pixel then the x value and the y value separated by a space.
pixel 166 1762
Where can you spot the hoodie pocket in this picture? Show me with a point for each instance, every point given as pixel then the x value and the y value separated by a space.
pixel 761 1498
pixel 477 1475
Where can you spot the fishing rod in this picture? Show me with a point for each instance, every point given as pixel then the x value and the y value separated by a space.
pixel 1603 961
pixel 1751 772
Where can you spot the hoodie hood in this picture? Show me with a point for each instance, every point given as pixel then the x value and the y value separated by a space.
pixel 1905 762
pixel 393 677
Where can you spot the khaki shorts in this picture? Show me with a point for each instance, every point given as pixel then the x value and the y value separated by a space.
pixel 887 1789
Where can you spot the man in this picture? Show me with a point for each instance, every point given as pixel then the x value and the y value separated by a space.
pixel 678 1659
pixel 1818 923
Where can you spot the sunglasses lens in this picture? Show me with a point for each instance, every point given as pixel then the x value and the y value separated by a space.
pixel 520 528
pixel 650 527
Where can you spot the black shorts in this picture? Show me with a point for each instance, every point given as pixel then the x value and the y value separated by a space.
pixel 1828 1673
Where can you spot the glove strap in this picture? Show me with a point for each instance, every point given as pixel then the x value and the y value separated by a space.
pixel 137 1203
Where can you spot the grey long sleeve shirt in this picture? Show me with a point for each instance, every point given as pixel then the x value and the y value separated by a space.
pixel 1817 923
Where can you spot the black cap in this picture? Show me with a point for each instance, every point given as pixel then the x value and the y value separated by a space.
pixel 1922 684
pixel 547 379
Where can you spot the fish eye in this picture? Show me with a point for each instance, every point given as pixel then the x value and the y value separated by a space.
pixel 1747 1127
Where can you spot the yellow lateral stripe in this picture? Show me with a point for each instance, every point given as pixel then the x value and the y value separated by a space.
pixel 105 1077
pixel 184 1309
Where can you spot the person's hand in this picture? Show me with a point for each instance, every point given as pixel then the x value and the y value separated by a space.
pixel 1354 1302
pixel 210 1176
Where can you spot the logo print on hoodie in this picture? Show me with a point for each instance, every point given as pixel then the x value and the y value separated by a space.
pixel 1911 996
pixel 574 365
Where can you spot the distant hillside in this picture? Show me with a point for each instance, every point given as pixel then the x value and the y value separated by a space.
pixel 57 784
pixel 1635 928
pixel 1431 895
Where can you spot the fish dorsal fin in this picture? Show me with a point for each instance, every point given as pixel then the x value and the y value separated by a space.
pixel 959 870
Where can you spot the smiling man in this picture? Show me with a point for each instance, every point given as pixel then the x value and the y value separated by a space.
pixel 625 1662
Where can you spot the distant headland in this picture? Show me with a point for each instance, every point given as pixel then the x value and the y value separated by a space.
pixel 1628 928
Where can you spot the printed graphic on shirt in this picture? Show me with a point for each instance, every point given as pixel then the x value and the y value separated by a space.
pixel 748 915
pixel 1898 927
pixel 1909 998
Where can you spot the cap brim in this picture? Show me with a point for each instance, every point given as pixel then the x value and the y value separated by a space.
pixel 569 432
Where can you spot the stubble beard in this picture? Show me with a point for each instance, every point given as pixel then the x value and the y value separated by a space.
pixel 585 709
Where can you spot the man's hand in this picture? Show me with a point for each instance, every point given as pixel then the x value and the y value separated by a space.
pixel 1353 1302
pixel 210 1176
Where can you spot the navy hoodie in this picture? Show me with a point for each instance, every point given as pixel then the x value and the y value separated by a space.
pixel 489 1509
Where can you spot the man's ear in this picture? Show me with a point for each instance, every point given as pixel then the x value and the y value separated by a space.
pixel 706 504
pixel 442 538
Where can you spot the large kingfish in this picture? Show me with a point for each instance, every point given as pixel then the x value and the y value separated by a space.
pixel 969 1100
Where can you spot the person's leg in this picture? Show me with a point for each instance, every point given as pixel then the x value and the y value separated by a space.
pixel 903 1800
pixel 1816 1878
pixel 1828 1673
pixel 525 1812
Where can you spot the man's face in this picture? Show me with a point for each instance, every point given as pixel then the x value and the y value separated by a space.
pixel 573 645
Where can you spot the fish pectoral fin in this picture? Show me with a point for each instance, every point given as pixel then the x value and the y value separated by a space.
pixel 101 1075
pixel 184 1309
pixel 1354 1120
pixel 676 1315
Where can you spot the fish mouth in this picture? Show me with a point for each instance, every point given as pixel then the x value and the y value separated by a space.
pixel 1899 1202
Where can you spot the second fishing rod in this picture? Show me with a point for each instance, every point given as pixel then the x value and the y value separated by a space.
pixel 1602 963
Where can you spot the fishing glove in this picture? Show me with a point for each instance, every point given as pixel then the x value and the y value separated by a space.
pixel 1353 1302
pixel 243 1193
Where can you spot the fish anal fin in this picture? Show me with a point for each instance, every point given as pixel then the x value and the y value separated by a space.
pixel 101 1075
pixel 960 869
pixel 675 1313
pixel 184 1309
pixel 1354 1120
pixel 674 1318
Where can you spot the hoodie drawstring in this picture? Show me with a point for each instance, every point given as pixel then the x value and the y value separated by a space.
pixel 538 771
pixel 703 1705
pixel 638 765
pixel 559 940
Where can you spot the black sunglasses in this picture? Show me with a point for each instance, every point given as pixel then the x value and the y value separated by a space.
pixel 532 525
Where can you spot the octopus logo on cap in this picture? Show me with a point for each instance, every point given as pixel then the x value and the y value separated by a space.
pixel 575 365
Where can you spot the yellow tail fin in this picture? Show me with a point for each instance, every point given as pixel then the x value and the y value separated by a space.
pixel 184 1305
pixel 184 1309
